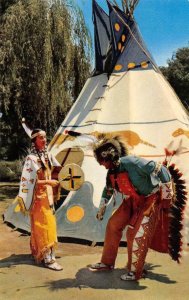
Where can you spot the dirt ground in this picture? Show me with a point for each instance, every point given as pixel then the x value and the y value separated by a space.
pixel 15 242
pixel 21 278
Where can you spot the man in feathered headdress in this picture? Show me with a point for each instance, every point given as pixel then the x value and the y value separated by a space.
pixel 146 188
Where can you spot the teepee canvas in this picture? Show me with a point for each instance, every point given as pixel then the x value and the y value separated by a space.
pixel 127 96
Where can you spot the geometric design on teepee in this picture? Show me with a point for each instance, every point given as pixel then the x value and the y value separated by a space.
pixel 17 208
pixel 117 27
pixel 131 65
pixel 119 46
pixel 75 214
pixel 123 38
pixel 118 67
pixel 144 64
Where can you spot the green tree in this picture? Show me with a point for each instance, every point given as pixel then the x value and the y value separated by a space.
pixel 4 4
pixel 44 63
pixel 177 73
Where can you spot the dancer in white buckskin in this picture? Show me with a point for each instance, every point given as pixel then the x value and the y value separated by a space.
pixel 36 195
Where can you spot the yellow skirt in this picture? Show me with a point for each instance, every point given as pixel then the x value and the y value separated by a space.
pixel 43 225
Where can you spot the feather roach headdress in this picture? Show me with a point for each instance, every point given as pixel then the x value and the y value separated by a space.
pixel 109 148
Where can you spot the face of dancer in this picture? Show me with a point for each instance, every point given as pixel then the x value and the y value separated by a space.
pixel 108 164
pixel 41 141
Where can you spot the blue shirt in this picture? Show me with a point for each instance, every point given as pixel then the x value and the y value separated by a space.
pixel 142 174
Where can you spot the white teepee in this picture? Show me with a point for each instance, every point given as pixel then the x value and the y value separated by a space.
pixel 128 96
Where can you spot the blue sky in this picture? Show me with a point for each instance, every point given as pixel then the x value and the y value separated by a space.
pixel 164 24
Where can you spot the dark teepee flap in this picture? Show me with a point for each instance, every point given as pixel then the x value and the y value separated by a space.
pixel 102 36
pixel 129 50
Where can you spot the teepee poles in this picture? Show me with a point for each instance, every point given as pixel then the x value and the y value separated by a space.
pixel 128 6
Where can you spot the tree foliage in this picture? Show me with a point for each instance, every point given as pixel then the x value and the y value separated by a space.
pixel 177 73
pixel 44 62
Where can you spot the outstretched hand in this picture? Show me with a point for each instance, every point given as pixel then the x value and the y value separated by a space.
pixel 52 182
pixel 101 212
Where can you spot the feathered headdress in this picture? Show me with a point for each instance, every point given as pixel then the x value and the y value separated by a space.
pixel 26 128
pixel 31 133
pixel 109 148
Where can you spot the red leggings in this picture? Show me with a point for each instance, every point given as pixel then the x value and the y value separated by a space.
pixel 138 238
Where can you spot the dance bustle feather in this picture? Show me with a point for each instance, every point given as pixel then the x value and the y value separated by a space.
pixel 176 214
pixel 176 211
pixel 92 142
pixel 82 139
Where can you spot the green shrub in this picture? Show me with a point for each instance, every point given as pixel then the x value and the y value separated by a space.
pixel 10 170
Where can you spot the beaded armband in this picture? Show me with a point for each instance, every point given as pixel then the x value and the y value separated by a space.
pixel 157 168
